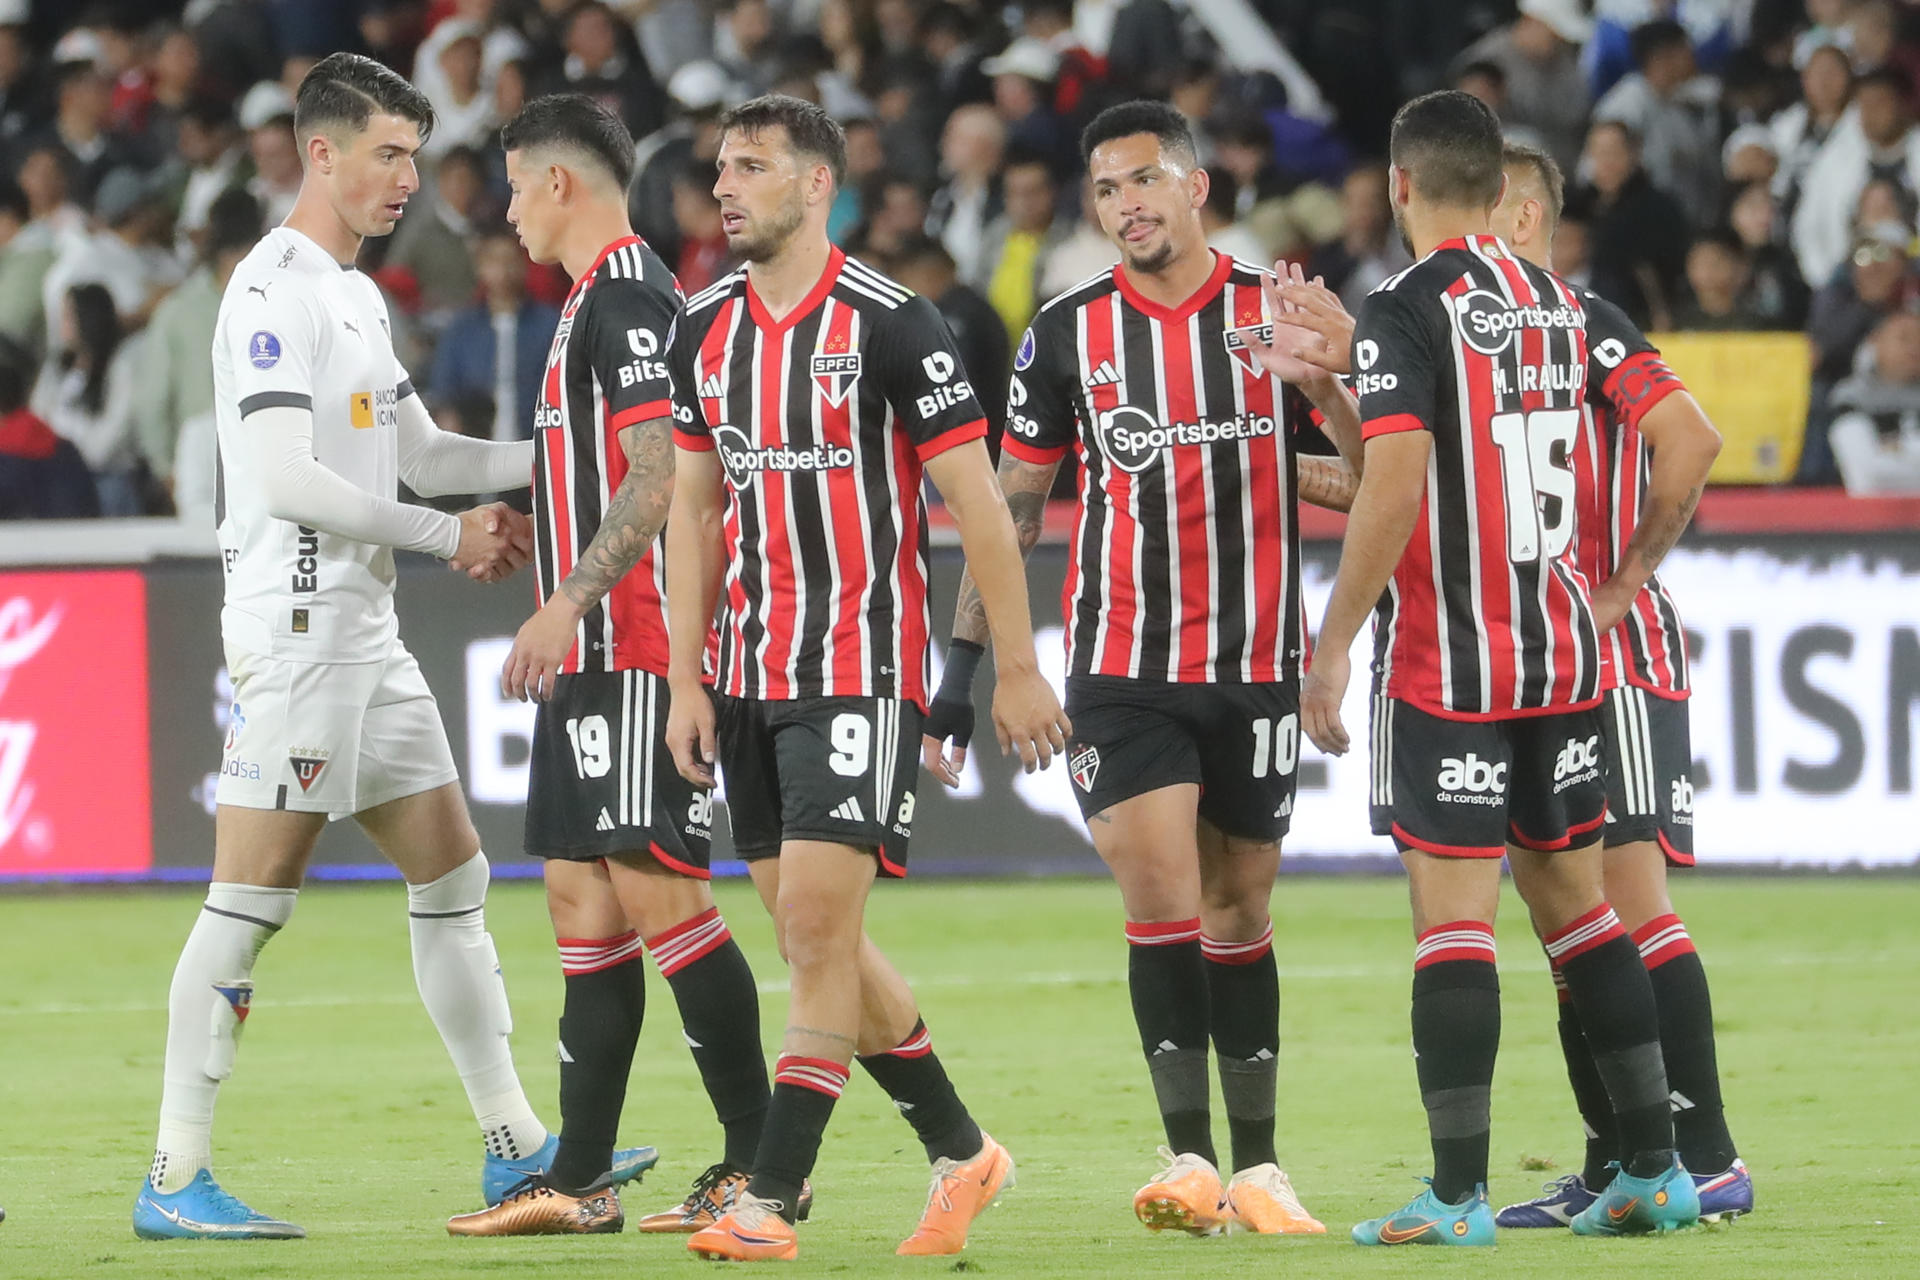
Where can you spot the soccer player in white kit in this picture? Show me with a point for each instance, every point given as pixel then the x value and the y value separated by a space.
pixel 317 422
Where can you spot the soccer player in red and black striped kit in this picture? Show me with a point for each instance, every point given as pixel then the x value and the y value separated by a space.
pixel 1471 369
pixel 624 837
pixel 813 394
pixel 1184 639
pixel 1638 474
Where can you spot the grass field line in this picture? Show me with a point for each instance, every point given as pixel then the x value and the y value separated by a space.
pixel 778 986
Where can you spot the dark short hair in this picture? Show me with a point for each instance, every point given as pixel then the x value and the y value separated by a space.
pixel 1125 119
pixel 1892 79
pixel 1449 144
pixel 234 221
pixel 575 122
pixel 810 130
pixel 1545 170
pixel 14 201
pixel 346 90
pixel 1658 36
pixel 1485 70
pixel 924 248
pixel 1628 134
pixel 1720 238
pixel 209 112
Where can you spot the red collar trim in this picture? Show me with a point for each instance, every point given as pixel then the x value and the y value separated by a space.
pixel 1222 268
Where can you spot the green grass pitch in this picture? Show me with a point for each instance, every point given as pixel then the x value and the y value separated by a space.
pixel 346 1117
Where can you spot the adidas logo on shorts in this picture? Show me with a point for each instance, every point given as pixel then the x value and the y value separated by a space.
pixel 849 810
pixel 605 822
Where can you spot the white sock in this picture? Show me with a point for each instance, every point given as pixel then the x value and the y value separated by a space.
pixel 203 1025
pixel 458 973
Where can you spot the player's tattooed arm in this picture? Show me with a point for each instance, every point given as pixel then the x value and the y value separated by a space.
pixel 1326 482
pixel 635 514
pixel 1684 444
pixel 1025 486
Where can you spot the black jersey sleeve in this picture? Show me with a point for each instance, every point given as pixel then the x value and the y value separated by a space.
pixel 690 427
pixel 627 327
pixel 1041 418
pixel 918 364
pixel 1624 371
pixel 1396 363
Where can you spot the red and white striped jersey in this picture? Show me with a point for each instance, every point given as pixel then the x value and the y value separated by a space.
pixel 1487 616
pixel 822 420
pixel 1649 647
pixel 606 371
pixel 1186 552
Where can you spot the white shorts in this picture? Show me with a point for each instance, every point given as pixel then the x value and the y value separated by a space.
pixel 330 737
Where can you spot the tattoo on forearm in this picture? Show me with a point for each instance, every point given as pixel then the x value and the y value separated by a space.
pixel 1660 535
pixel 633 518
pixel 1326 482
pixel 1026 486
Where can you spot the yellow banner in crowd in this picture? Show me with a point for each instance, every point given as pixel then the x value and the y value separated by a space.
pixel 1755 387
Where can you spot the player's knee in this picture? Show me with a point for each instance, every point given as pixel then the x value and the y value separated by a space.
pixel 816 938
pixel 462 889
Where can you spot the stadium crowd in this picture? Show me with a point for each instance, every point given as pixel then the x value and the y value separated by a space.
pixel 1732 165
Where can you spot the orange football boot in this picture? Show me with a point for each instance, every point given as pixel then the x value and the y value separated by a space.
pixel 1187 1196
pixel 751 1231
pixel 960 1190
pixel 536 1209
pixel 1262 1199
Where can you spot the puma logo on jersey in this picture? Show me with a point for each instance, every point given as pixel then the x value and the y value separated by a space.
pixel 260 289
pixel 1105 376
pixel 351 327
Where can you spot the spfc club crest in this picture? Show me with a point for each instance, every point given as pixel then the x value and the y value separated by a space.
pixel 1251 325
pixel 1084 764
pixel 836 367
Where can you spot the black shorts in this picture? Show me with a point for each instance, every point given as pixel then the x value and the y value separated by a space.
pixel 840 770
pixel 1649 772
pixel 1468 788
pixel 601 781
pixel 1239 742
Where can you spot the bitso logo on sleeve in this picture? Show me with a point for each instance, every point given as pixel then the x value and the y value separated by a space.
pixel 263 350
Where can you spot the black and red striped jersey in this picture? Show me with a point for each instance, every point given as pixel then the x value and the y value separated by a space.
pixel 606 371
pixel 1185 555
pixel 1487 616
pixel 1649 647
pixel 822 421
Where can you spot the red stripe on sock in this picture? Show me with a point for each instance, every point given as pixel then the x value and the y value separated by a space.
pixel 822 1075
pixel 1460 940
pixel 686 926
pixel 1145 933
pixel 1221 952
pixel 1559 982
pixel 591 955
pixel 690 940
pixel 1594 929
pixel 1661 939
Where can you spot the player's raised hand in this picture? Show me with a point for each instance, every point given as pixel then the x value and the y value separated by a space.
pixel 690 733
pixel 1313 306
pixel 1295 353
pixel 1320 697
pixel 539 651
pixel 1027 718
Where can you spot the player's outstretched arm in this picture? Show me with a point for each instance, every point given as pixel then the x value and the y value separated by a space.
pixel 1684 445
pixel 1024 486
pixel 696 559
pixel 435 462
pixel 1381 522
pixel 1026 714
pixel 635 514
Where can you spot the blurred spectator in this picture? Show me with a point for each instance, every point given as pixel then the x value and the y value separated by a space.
pixel 1144 49
pixel 1015 248
pixel 1639 231
pixel 497 348
pixel 1801 129
pixel 1876 140
pixel 924 266
pixel 1573 241
pixel 898 214
pixel 972 148
pixel 27 253
pixel 1878 281
pixel 209 160
pixel 948 39
pixel 1747 157
pixel 1875 41
pixel 1023 76
pixel 1079 73
pixel 1717 281
pixel 42 477
pixel 79 132
pixel 463 109
pixel 1224 232
pixel 1288 215
pixel 500 44
pixel 86 395
pixel 266 113
pixel 700 91
pixel 865 159
pixel 1776 293
pixel 1087 251
pixel 126 250
pixel 1369 248
pixel 745 44
pixel 704 256
pixel 237 44
pixel 603 61
pixel 20 89
pixel 1875 436
pixel 431 258
pixel 1675 112
pixel 1539 54
pixel 173 414
pixel 672 33
pixel 159 91
pixel 1196 95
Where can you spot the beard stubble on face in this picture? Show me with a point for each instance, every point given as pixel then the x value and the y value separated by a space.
pixel 777 230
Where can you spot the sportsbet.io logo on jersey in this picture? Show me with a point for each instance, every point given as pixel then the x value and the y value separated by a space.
pixel 743 459
pixel 1134 439
pixel 1488 322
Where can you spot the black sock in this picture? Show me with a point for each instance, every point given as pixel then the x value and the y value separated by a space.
pixel 1614 998
pixel 1686 1040
pixel 911 1074
pixel 1167 975
pixel 720 1013
pixel 1456 1036
pixel 599 1025
pixel 1589 1094
pixel 804 1091
pixel 1243 988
